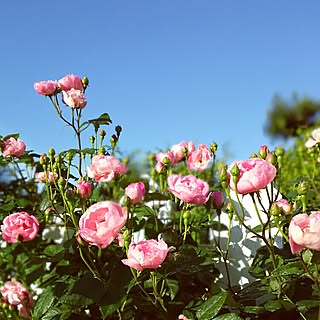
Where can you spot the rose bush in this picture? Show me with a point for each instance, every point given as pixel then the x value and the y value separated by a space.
pixel 89 234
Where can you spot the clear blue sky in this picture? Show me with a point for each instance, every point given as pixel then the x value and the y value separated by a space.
pixel 166 71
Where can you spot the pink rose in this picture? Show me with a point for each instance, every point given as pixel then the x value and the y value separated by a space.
pixel 181 149
pixel 159 166
pixel 84 188
pixel 105 168
pixel 135 191
pixel 101 223
pixel 304 232
pixel 162 155
pixel 188 188
pixel 255 174
pixel 44 176
pixel 146 254
pixel 46 88
pixel 200 158
pixel 16 295
pixel 182 317
pixel 13 147
pixel 19 226
pixel 69 82
pixel 284 205
pixel 314 139
pixel 74 98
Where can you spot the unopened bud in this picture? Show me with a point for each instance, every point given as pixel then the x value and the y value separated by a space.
pixel 102 150
pixel 118 130
pixel 102 133
pixel 263 151
pixel 85 82
pixel 166 161
pixel 223 174
pixel 274 209
pixel 43 159
pixel 272 158
pixel 213 147
pixel 51 152
pixel 92 139
pixel 235 171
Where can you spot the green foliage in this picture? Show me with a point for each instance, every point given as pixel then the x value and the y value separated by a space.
pixel 285 118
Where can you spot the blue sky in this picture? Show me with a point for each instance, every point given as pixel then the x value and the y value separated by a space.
pixel 166 71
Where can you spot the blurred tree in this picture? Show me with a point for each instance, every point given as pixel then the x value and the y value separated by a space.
pixel 285 118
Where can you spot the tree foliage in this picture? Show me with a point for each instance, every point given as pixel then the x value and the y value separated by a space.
pixel 286 117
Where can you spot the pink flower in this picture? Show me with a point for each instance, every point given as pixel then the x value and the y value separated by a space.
pixel 44 176
pixel 19 226
pixel 135 191
pixel 181 149
pixel 84 188
pixel 217 199
pixel 314 139
pixel 162 155
pixel 182 317
pixel 284 205
pixel 146 254
pixel 188 188
pixel 13 147
pixel 105 168
pixel 200 158
pixel 159 166
pixel 69 82
pixel 304 232
pixel 101 223
pixel 74 98
pixel 255 174
pixel 16 295
pixel 46 88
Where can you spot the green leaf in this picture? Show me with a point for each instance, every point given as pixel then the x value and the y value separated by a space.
pixel 155 196
pixel 305 305
pixel 52 250
pixel 52 314
pixel 211 307
pixel 273 305
pixel 173 286
pixel 254 309
pixel 43 304
pixel 104 119
pixel 228 316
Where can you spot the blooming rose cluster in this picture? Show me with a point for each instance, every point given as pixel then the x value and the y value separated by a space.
pixel 17 296
pixel 70 86
pixel 13 147
pixel 46 176
pixel 197 159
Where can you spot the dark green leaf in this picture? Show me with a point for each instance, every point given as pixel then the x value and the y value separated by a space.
pixel 211 307
pixel 43 304
pixel 228 316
